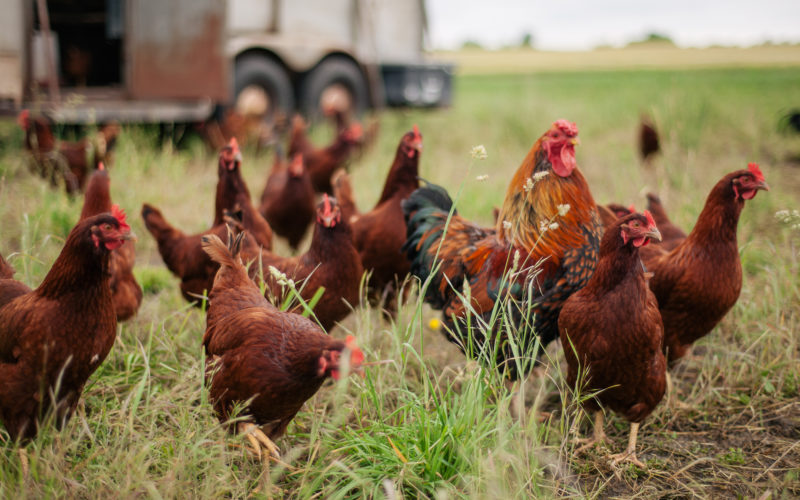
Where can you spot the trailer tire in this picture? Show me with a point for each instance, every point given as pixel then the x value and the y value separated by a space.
pixel 262 72
pixel 335 71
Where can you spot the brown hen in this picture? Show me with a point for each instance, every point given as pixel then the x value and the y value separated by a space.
pixel 287 202
pixel 255 353
pixel 331 262
pixel 322 163
pixel 58 334
pixel 126 294
pixel 699 281
pixel 380 233
pixel 233 195
pixel 611 331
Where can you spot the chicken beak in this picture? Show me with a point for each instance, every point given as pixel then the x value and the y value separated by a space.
pixel 130 235
pixel 653 233
pixel 763 185
pixel 574 141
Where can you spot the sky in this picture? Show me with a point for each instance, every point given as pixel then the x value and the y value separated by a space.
pixel 585 24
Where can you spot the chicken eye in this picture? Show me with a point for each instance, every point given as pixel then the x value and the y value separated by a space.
pixel 107 226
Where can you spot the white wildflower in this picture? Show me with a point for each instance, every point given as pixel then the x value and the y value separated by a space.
pixel 276 273
pixel 528 184
pixel 563 209
pixel 481 178
pixel 506 225
pixel 553 226
pixel 540 175
pixel 479 152
pixel 787 216
pixel 543 226
pixel 280 277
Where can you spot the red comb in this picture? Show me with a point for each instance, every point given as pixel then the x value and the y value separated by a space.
pixel 756 170
pixel 417 137
pixel 357 357
pixel 234 145
pixel 100 166
pixel 631 208
pixel 567 127
pixel 650 221
pixel 22 118
pixel 326 207
pixel 356 131
pixel 119 214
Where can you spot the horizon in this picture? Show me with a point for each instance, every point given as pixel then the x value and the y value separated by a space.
pixel 581 25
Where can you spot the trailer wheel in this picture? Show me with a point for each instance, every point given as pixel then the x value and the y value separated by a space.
pixel 262 87
pixel 336 82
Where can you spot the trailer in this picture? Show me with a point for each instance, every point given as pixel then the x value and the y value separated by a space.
pixel 89 61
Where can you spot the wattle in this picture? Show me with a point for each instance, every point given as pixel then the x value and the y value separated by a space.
pixel 749 194
pixel 565 163
pixel 113 244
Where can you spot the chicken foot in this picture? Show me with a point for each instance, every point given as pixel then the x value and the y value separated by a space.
pixel 629 455
pixel 258 440
pixel 23 461
pixel 598 434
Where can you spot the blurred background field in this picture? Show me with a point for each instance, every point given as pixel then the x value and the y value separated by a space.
pixel 643 55
pixel 430 423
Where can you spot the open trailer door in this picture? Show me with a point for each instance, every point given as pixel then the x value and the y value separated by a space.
pixel 175 50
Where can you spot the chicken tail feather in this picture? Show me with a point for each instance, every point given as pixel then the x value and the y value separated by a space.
pixel 224 255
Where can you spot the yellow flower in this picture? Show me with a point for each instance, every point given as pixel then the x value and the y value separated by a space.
pixel 435 324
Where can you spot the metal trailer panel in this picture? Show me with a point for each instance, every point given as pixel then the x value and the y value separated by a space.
pixel 399 28
pixel 12 50
pixel 322 22
pixel 175 49
pixel 247 16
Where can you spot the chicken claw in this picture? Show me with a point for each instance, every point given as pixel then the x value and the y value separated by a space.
pixel 258 440
pixel 629 455
pixel 598 435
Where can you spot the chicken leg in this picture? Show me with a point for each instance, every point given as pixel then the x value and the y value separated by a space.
pixel 598 434
pixel 258 439
pixel 629 455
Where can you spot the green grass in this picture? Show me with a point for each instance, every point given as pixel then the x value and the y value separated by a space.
pixel 430 423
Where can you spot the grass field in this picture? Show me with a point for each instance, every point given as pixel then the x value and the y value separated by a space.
pixel 430 423
pixel 652 55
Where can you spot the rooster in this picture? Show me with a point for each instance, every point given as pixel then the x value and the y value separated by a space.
pixel 699 281
pixel 233 194
pixel 380 233
pixel 287 202
pixel 126 294
pixel 255 353
pixel 612 332
pixel 54 337
pixel 546 241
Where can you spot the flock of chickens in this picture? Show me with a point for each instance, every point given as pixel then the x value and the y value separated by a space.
pixel 627 293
